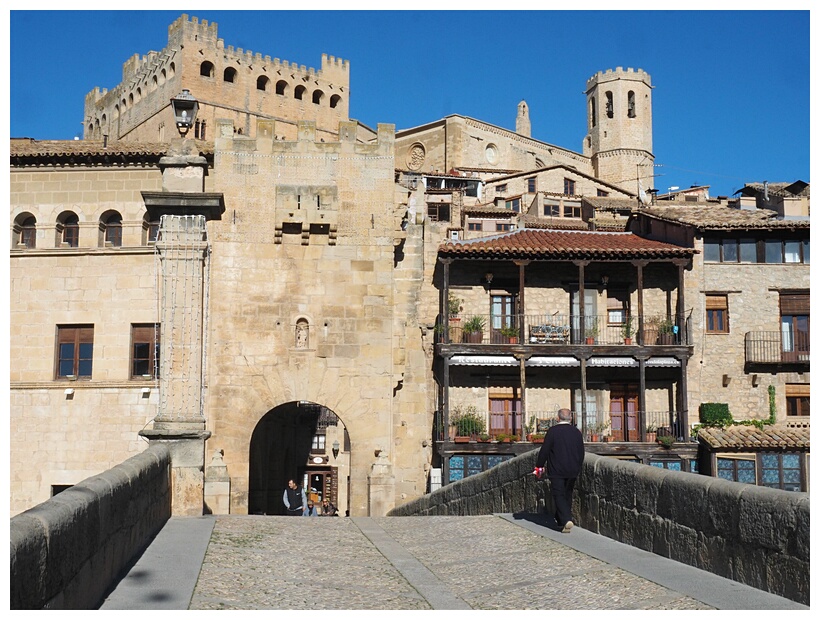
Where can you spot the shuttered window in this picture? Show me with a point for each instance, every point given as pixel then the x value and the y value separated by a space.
pixel 717 314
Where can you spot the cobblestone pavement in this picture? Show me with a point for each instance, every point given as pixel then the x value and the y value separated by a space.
pixel 260 562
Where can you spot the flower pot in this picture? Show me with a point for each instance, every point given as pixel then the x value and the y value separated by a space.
pixel 627 340
pixel 473 337
pixel 590 340
pixel 462 439
pixel 593 438
pixel 651 437
pixel 666 339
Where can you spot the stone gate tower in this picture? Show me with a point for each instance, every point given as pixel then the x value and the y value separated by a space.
pixel 619 127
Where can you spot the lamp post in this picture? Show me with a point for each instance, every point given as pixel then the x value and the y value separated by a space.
pixel 335 448
pixel 185 107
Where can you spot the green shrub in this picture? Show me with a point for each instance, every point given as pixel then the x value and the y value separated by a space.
pixel 715 414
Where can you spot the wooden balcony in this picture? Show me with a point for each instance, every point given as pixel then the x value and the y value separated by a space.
pixel 777 347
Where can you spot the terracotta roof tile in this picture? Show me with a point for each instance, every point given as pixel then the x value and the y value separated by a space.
pixel 742 437
pixel 563 245
pixel 25 148
pixel 605 203
pixel 721 217
pixel 553 223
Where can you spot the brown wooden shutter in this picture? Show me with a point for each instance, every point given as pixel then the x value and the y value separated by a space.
pixel 794 303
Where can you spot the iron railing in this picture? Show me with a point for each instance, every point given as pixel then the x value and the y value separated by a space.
pixel 600 425
pixel 563 329
pixel 777 347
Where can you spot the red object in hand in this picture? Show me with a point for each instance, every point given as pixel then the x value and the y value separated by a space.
pixel 538 472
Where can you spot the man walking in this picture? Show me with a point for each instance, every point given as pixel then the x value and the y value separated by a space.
pixel 295 500
pixel 563 454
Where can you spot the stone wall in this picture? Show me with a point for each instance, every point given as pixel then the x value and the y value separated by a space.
pixel 68 551
pixel 754 535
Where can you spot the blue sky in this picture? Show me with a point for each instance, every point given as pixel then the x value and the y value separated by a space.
pixel 730 103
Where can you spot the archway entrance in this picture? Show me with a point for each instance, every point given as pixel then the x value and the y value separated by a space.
pixel 304 441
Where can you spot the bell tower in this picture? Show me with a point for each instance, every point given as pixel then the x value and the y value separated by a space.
pixel 619 128
pixel 522 120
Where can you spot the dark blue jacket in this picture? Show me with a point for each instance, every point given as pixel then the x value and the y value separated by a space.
pixel 562 451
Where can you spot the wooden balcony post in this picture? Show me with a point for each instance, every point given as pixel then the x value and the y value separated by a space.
pixel 681 320
pixel 639 265
pixel 642 397
pixel 521 306
pixel 445 292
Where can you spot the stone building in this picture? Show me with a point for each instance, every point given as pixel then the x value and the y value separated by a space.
pixel 270 297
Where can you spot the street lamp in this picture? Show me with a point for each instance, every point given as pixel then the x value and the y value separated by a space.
pixel 185 107
pixel 335 448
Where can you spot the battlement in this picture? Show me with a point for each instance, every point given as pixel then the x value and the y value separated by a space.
pixel 193 29
pixel 619 73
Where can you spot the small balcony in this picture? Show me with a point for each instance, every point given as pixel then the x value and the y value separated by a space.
pixel 777 347
pixel 562 329
pixel 602 426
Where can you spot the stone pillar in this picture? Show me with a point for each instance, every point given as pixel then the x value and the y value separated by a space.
pixel 217 486
pixel 381 489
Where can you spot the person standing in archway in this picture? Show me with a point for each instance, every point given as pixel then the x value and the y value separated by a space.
pixel 295 500
pixel 563 454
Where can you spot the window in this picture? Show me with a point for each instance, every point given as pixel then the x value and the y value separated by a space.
pixel 334 101
pixel 780 471
pixel 552 210
pixel 144 351
pixel 71 230
pixel 199 130
pixel 711 250
pixel 531 185
pixel 318 443
pixel 774 251
pixel 592 116
pixel 610 111
pixel 262 83
pixel 671 465
pixel 717 314
pixel 513 205
pixel 737 469
pixel 503 226
pixel 206 69
pixel 600 192
pixel 229 75
pixel 474 226
pixel 748 251
pixel 572 209
pixel 503 407
pixel 28 232
pixel 75 348
pixel 317 96
pixel 791 251
pixel 463 465
pixel 299 92
pixel 795 326
pixel 439 212
pixel 153 230
pixel 569 187
pixel 616 307
pixel 630 104
pixel 797 399
pixel 113 230
pixel 500 189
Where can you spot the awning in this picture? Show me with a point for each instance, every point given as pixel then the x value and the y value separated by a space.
pixel 562 361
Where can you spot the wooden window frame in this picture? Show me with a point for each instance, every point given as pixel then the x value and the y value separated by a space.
pixel 569 187
pixel 76 336
pixel 797 399
pixel 144 334
pixel 717 313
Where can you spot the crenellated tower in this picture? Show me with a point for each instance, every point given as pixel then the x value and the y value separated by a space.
pixel 619 127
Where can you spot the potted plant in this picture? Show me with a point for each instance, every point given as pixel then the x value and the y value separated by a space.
pixel 510 333
pixel 651 433
pixel 666 440
pixel 627 329
pixel 504 438
pixel 537 437
pixel 483 437
pixel 468 424
pixel 591 333
pixel 474 329
pixel 666 332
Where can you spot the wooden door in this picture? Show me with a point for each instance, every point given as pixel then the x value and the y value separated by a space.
pixel 623 412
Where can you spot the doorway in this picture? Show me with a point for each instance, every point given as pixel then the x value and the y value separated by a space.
pixel 623 412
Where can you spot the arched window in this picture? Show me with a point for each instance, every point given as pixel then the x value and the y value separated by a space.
pixel 153 83
pixel 281 87
pixel 112 224
pixel 610 110
pixel 298 92
pixel 302 334
pixel 130 100
pixel 139 94
pixel 206 69
pixel 150 230
pixel 25 230
pixel 162 77
pixel 124 105
pixel 630 104
pixel 69 225
pixel 229 75
pixel 334 100
pixel 262 82
pixel 592 119
pixel 317 96
pixel 172 69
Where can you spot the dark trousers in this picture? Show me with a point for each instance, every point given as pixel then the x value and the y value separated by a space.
pixel 295 513
pixel 561 490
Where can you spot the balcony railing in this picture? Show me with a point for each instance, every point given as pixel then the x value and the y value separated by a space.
pixel 562 329
pixel 777 347
pixel 600 425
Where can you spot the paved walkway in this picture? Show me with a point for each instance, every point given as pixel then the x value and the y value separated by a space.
pixel 487 562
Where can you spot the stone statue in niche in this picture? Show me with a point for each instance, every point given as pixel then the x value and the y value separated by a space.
pixel 301 334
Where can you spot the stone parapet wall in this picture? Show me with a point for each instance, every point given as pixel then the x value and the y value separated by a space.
pixel 68 551
pixel 754 535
